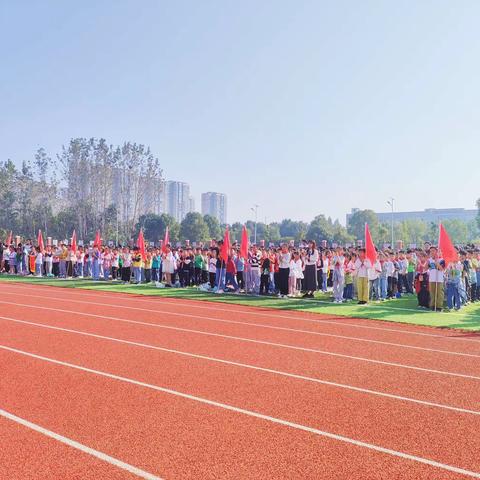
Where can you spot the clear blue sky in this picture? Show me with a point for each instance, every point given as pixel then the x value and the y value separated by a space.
pixel 303 107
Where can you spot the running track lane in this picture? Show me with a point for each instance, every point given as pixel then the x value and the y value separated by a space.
pixel 366 329
pixel 379 421
pixel 468 363
pixel 29 455
pixel 423 385
pixel 177 437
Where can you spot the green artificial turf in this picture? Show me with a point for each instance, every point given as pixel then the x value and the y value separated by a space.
pixel 403 310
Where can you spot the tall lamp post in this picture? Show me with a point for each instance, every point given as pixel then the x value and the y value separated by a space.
pixel 255 210
pixel 391 202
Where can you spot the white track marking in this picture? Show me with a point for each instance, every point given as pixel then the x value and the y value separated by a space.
pixel 256 325
pixel 82 291
pixel 251 367
pixel 250 413
pixel 79 446
pixel 264 342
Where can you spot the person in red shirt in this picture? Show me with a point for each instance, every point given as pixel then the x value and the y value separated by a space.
pixel 231 271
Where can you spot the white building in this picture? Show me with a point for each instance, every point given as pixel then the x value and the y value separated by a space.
pixel 428 215
pixel 177 199
pixel 215 204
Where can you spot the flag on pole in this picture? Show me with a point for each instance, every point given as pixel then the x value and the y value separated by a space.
pixel 74 241
pixel 226 247
pixel 10 238
pixel 41 245
pixel 244 244
pixel 98 240
pixel 141 244
pixel 370 251
pixel 445 245
pixel 166 241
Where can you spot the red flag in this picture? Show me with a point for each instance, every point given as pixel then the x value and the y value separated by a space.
pixel 244 244
pixel 445 245
pixel 370 251
pixel 41 245
pixel 98 240
pixel 141 244
pixel 10 238
pixel 226 247
pixel 166 241
pixel 74 241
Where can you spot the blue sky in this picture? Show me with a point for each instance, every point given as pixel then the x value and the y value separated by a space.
pixel 303 107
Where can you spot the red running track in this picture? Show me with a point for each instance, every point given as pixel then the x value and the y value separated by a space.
pixel 172 392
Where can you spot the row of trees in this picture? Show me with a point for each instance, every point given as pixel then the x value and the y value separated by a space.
pixel 412 231
pixel 201 229
pixel 92 186
pixel 89 186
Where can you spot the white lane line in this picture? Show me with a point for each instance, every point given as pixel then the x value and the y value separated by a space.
pixel 251 367
pixel 264 342
pixel 250 324
pixel 250 413
pixel 79 446
pixel 84 292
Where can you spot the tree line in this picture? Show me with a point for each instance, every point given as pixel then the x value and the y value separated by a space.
pixel 92 185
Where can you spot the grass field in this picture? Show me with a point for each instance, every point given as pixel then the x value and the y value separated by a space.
pixel 402 310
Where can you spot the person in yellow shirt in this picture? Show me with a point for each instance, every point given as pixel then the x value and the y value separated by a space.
pixel 137 264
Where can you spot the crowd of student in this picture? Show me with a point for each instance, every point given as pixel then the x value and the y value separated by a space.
pixel 285 271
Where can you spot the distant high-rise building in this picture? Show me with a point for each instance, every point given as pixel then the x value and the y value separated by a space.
pixel 191 204
pixel 177 199
pixel 215 204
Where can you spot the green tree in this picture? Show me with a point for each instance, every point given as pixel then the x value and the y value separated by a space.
pixel 320 229
pixel 356 224
pixel 340 234
pixel 8 196
pixel 473 231
pixel 194 228
pixel 64 223
pixel 154 227
pixel 457 229
pixel 272 233
pixel 214 228
pixel 291 229
pixel 236 232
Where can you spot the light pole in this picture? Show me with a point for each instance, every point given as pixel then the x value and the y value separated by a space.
pixel 391 202
pixel 255 210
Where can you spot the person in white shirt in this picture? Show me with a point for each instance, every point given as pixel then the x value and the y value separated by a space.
pixel 374 280
pixel 362 266
pixel 169 264
pixel 39 264
pixel 295 274
pixel 338 275
pixel 436 267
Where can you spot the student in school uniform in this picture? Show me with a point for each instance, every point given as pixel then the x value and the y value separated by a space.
pixel 265 273
pixel 338 263
pixel 310 272
pixel 39 264
pixel 436 267
pixel 212 267
pixel 362 266
pixel 284 258
pixel 126 265
pixel 137 266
